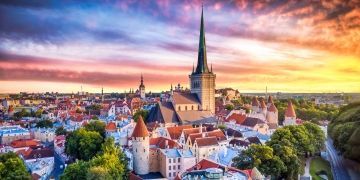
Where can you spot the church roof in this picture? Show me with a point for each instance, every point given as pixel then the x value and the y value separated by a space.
pixel 163 112
pixel 195 117
pixel 140 129
pixel 290 112
pixel 202 66
pixel 185 98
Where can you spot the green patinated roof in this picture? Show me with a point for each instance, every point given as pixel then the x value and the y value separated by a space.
pixel 202 66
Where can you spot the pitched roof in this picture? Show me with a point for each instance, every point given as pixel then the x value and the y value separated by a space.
pixel 262 104
pixel 220 136
pixel 255 101
pixel 272 108
pixel 290 112
pixel 37 153
pixel 239 142
pixel 196 117
pixel 251 122
pixel 194 136
pixel 185 98
pixel 175 132
pixel 254 140
pixel 234 133
pixel 163 112
pixel 25 143
pixel 111 126
pixel 160 142
pixel 239 118
pixel 140 129
pixel 206 141
pixel 270 100
pixel 189 131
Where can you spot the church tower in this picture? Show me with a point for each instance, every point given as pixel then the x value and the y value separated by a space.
pixel 202 80
pixel 140 147
pixel 142 88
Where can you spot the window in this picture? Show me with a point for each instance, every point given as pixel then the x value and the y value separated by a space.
pixel 174 173
pixel 169 174
pixel 185 108
pixel 169 168
pixel 178 166
pixel 179 108
pixel 135 150
pixel 144 150
pixel 178 159
pixel 169 160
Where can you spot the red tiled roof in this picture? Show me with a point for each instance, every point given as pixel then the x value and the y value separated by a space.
pixel 111 126
pixel 262 104
pixel 290 112
pixel 192 130
pixel 25 143
pixel 160 142
pixel 194 136
pixel 272 108
pixel 175 132
pixel 37 153
pixel 140 129
pixel 270 100
pixel 216 133
pixel 206 141
pixel 239 118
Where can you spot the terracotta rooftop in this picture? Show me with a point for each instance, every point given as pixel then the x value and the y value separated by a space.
pixel 189 131
pixel 37 153
pixel 140 129
pixel 220 136
pixel 194 136
pixel 160 142
pixel 206 141
pixel 290 112
pixel 25 143
pixel 270 100
pixel 272 108
pixel 239 118
pixel 262 104
pixel 111 126
pixel 175 132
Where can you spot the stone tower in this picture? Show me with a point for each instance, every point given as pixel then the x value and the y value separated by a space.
pixel 290 115
pixel 140 147
pixel 202 80
pixel 142 88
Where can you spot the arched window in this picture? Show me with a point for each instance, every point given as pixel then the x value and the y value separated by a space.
pixel 185 108
pixel 192 107
pixel 179 108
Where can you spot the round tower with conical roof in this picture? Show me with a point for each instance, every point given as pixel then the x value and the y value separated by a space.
pixel 290 115
pixel 140 147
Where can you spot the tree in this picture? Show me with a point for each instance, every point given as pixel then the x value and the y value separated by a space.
pixel 316 135
pixel 222 127
pixel 12 167
pixel 110 163
pixel 97 126
pixel 262 157
pixel 229 107
pixel 44 124
pixel 77 170
pixel 82 144
pixel 143 113
pixel 60 131
pixel 22 113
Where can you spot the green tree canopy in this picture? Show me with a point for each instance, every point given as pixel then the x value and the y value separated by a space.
pixel 82 144
pixel 97 126
pixel 143 113
pixel 110 163
pixel 12 167
pixel 60 131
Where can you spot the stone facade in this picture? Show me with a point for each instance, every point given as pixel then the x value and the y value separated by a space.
pixel 141 154
pixel 204 86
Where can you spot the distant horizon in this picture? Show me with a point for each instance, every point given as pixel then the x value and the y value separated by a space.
pixel 290 46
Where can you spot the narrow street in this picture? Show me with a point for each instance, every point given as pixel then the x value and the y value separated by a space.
pixel 337 163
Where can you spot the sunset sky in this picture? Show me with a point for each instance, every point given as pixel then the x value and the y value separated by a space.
pixel 287 45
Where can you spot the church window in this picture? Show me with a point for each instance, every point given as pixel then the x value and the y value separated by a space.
pixel 185 108
pixel 179 108
pixel 192 107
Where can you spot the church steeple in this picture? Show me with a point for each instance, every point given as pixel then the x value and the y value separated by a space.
pixel 202 66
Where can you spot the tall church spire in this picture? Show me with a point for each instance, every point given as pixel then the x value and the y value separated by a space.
pixel 202 66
